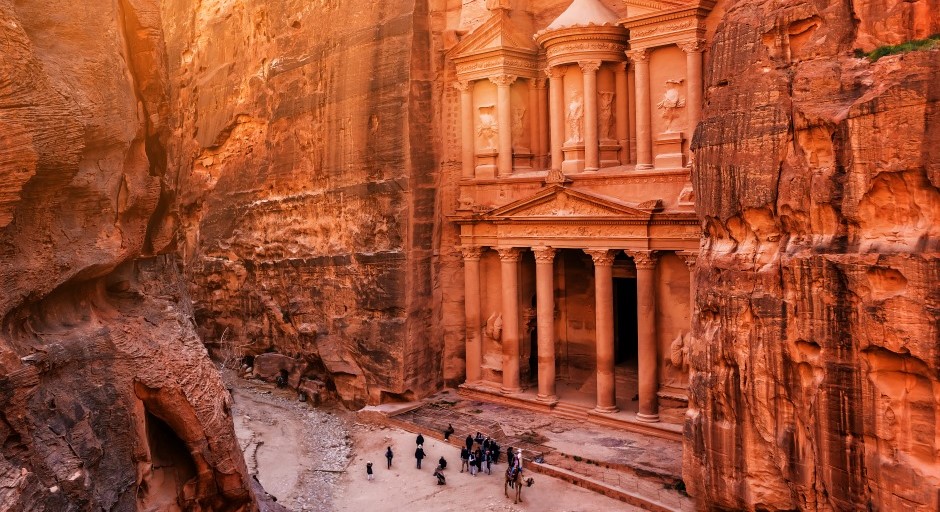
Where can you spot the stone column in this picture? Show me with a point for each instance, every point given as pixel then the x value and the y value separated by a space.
pixel 557 111
pixel 534 138
pixel 509 267
pixel 604 326
pixel 545 303
pixel 543 129
pixel 620 96
pixel 647 352
pixel 591 148
pixel 693 72
pixel 468 140
pixel 504 123
pixel 644 130
pixel 471 287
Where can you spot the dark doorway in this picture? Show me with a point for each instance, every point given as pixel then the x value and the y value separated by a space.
pixel 625 328
pixel 534 356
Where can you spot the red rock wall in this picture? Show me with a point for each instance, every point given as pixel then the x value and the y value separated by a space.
pixel 309 191
pixel 103 379
pixel 815 379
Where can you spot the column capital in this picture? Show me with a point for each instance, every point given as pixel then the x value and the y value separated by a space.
pixel 601 257
pixel 509 254
pixel 620 67
pixel 589 66
pixel 555 72
pixel 689 258
pixel 462 85
pixel 471 252
pixel 544 254
pixel 644 259
pixel 503 80
pixel 638 55
pixel 693 46
pixel 537 83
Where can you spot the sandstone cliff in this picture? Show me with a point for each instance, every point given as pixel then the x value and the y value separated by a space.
pixel 815 379
pixel 108 400
pixel 308 192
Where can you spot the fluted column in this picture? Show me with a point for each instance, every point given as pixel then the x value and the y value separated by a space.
pixel 591 151
pixel 557 112
pixel 534 138
pixel 604 329
pixel 693 72
pixel 504 123
pixel 471 287
pixel 467 158
pixel 509 267
pixel 545 320
pixel 644 130
pixel 620 97
pixel 647 351
pixel 543 129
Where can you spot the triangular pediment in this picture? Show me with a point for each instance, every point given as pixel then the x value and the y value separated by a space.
pixel 497 33
pixel 559 201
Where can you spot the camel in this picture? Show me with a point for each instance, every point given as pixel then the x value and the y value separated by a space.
pixel 515 480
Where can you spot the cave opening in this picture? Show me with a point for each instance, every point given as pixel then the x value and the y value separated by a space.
pixel 172 466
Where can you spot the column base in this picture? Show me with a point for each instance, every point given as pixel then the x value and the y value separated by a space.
pixel 510 391
pixel 591 169
pixel 647 418
pixel 609 409
pixel 643 167
pixel 549 399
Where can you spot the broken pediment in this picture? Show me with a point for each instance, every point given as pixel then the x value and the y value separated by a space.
pixel 558 201
pixel 496 46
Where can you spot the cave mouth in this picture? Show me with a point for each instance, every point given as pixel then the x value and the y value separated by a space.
pixel 165 489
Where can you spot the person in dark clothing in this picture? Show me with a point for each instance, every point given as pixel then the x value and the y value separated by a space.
pixel 442 463
pixel 389 455
pixel 479 454
pixel 448 431
pixel 486 444
pixel 469 442
pixel 479 438
pixel 420 440
pixel 464 459
pixel 489 461
pixel 509 455
pixel 495 449
pixel 369 470
pixel 419 454
pixel 440 476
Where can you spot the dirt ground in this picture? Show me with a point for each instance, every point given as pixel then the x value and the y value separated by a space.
pixel 314 459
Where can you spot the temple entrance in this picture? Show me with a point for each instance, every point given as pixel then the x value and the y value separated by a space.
pixel 534 356
pixel 625 322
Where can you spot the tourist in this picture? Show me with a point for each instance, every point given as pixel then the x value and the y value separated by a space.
pixel 464 458
pixel 440 476
pixel 369 470
pixel 479 438
pixel 489 461
pixel 486 443
pixel 448 431
pixel 389 455
pixel 494 447
pixel 419 454
pixel 442 463
pixel 479 455
pixel 420 440
pixel 469 442
pixel 473 464
pixel 509 455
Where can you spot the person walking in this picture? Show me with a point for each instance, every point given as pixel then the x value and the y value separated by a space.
pixel 420 440
pixel 442 463
pixel 389 455
pixel 469 442
pixel 369 470
pixel 489 461
pixel 473 464
pixel 464 459
pixel 479 454
pixel 419 454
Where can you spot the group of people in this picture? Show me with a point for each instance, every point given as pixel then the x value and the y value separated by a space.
pixel 475 460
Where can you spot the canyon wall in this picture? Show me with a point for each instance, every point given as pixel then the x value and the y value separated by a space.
pixel 815 379
pixel 306 165
pixel 108 400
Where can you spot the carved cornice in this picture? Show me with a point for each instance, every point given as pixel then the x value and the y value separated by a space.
pixel 509 254
pixel 644 259
pixel 589 66
pixel 544 254
pixel 602 257
pixel 471 252
pixel 693 46
pixel 503 80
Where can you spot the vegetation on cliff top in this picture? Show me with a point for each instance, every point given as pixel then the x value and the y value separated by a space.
pixel 907 46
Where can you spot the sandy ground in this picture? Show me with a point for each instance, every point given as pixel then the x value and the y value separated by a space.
pixel 314 459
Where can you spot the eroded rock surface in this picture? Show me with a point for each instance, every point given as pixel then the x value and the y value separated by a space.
pixel 817 351
pixel 108 400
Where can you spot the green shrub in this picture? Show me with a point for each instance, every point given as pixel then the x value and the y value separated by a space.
pixel 907 46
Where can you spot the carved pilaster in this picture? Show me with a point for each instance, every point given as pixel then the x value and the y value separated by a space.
pixel 601 257
pixel 510 254
pixel 544 254
pixel 471 252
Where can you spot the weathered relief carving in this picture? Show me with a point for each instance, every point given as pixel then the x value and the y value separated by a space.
pixel 575 116
pixel 519 119
pixel 494 326
pixel 605 115
pixel 488 128
pixel 671 103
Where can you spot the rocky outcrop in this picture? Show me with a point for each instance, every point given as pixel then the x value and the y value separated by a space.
pixel 816 353
pixel 309 196
pixel 108 400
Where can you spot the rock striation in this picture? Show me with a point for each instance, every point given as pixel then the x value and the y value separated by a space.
pixel 108 400
pixel 815 381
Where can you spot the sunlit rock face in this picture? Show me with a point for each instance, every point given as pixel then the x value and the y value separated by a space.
pixel 308 191
pixel 108 400
pixel 815 369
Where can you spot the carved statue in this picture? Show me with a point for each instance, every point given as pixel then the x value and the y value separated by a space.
pixel 679 351
pixel 605 114
pixel 574 117
pixel 671 103
pixel 488 128
pixel 518 125
pixel 494 326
